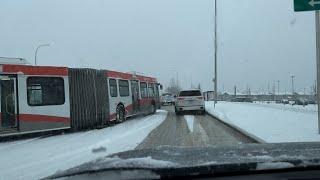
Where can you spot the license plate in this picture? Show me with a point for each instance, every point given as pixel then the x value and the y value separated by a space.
pixel 190 101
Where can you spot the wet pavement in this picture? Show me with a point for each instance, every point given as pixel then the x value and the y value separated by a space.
pixel 192 131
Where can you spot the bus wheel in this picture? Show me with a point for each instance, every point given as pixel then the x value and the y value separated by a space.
pixel 120 114
pixel 154 109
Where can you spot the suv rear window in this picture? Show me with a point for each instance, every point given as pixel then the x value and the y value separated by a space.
pixel 190 93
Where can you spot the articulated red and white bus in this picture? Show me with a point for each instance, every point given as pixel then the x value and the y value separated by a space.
pixel 46 98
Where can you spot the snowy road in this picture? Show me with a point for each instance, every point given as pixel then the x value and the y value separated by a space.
pixel 40 157
pixel 192 130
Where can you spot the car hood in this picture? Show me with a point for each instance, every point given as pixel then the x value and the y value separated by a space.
pixel 167 160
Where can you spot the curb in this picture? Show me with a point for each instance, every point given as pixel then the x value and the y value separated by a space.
pixel 249 135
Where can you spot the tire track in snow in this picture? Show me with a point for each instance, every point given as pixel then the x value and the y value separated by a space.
pixel 197 132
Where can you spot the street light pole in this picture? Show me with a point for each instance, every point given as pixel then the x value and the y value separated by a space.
pixel 36 52
pixel 215 54
pixel 292 84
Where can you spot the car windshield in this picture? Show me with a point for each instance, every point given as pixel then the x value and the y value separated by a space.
pixel 177 87
pixel 166 95
pixel 189 93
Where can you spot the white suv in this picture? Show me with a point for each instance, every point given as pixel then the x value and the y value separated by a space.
pixel 189 100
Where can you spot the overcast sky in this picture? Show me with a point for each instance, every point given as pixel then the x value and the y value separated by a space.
pixel 260 41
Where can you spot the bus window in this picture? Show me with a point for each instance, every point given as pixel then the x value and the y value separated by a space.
pixel 151 90
pixel 44 91
pixel 144 90
pixel 124 88
pixel 113 88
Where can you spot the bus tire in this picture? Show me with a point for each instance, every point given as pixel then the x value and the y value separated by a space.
pixel 154 109
pixel 120 114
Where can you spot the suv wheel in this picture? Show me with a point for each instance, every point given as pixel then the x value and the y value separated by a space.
pixel 203 112
pixel 177 112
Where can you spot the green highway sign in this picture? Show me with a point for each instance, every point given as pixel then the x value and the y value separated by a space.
pixel 306 5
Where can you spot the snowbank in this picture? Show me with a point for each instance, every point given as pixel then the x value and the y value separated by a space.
pixel 38 158
pixel 270 122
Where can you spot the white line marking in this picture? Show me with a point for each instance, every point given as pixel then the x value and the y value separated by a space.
pixel 190 121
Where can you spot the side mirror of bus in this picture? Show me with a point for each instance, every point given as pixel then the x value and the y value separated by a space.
pixel 161 87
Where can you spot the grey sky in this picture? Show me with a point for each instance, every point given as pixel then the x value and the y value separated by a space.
pixel 260 41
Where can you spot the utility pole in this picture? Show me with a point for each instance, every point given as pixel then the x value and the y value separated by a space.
pixel 215 54
pixel 177 80
pixel 292 84
pixel 313 5
pixel 285 91
pixel 315 88
pixel 273 88
pixel 315 85
pixel 278 87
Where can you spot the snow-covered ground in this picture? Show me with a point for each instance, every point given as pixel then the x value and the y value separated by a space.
pixel 270 122
pixel 40 157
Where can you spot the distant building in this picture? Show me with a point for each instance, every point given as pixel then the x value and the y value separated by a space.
pixel 225 96
pixel 7 60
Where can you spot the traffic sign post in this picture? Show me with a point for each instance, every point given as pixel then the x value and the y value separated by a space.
pixel 313 5
pixel 318 64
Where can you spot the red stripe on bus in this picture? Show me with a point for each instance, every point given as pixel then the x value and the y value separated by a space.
pixel 147 79
pixel 35 70
pixel 113 117
pixel 127 76
pixel 115 74
pixel 43 118
pixel 129 108
pixel 145 101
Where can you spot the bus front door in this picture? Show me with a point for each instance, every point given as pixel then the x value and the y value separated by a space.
pixel 8 103
pixel 135 97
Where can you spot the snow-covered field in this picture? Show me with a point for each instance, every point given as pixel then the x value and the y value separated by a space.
pixel 40 157
pixel 270 122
